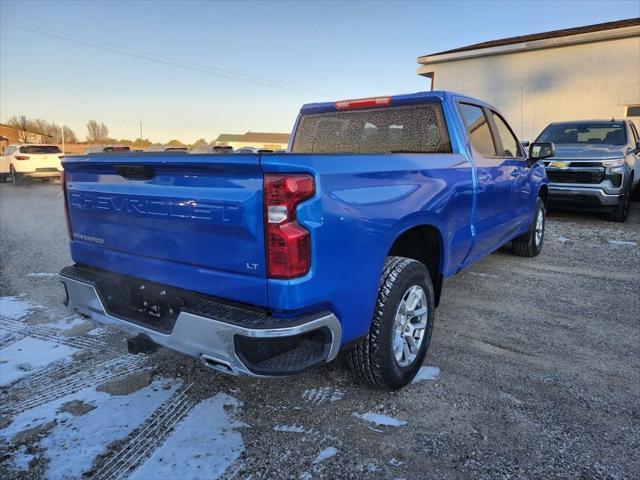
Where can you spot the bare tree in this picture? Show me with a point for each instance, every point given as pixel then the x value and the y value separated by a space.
pixel 24 127
pixel 54 131
pixel 142 142
pixel 69 135
pixel 97 132
pixel 175 143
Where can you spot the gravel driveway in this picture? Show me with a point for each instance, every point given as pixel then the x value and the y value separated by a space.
pixel 533 372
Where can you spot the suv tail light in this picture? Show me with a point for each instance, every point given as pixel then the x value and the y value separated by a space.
pixel 288 243
pixel 63 179
pixel 21 157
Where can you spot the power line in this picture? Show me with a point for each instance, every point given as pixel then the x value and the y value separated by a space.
pixel 166 60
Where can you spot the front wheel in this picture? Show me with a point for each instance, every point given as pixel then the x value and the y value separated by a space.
pixel 530 244
pixel 393 351
pixel 621 212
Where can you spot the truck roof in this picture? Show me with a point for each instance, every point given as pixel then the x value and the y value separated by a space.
pixel 402 99
pixel 588 122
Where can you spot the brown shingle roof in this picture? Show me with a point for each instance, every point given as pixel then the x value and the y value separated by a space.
pixel 28 131
pixel 229 137
pixel 544 35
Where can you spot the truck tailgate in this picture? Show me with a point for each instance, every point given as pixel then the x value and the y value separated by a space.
pixel 192 221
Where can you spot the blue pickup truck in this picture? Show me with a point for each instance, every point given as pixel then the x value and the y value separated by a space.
pixel 270 264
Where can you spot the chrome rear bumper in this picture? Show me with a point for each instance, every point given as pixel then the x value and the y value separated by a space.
pixel 220 344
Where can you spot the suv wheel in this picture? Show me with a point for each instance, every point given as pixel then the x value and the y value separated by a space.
pixel 621 212
pixel 18 178
pixel 393 351
pixel 530 244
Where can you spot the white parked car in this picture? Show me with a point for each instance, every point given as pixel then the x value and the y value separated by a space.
pixel 30 160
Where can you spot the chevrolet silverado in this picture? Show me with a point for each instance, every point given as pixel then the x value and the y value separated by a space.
pixel 270 264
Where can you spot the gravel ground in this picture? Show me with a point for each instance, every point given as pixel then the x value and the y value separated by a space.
pixel 539 375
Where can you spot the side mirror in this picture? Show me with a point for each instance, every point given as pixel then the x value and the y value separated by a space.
pixel 525 144
pixel 637 147
pixel 540 150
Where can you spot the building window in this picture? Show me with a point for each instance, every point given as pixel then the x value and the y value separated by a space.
pixel 633 111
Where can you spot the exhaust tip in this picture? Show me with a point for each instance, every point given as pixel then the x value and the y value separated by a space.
pixel 141 344
pixel 216 364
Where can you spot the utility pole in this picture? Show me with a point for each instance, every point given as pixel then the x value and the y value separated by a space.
pixel 141 130
pixel 62 134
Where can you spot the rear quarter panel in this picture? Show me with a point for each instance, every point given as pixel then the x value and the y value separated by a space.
pixel 362 204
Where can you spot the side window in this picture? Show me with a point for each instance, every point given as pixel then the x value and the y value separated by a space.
pixel 634 132
pixel 510 143
pixel 478 129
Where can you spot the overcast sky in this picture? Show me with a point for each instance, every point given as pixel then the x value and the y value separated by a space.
pixel 196 69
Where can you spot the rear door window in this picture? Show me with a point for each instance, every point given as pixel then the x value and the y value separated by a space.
pixel 408 129
pixel 510 145
pixel 45 149
pixel 478 129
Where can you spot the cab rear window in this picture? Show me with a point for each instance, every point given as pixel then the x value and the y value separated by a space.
pixel 403 129
pixel 33 149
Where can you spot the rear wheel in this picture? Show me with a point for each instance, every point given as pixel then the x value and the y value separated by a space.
pixel 621 212
pixel 394 349
pixel 530 244
pixel 18 178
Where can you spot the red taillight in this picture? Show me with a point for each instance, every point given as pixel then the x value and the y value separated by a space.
pixel 363 103
pixel 21 157
pixel 63 178
pixel 288 244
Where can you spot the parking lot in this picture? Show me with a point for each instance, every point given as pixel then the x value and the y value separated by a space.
pixel 533 372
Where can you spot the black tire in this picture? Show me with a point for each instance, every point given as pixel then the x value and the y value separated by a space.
pixel 18 178
pixel 528 245
pixel 372 359
pixel 621 212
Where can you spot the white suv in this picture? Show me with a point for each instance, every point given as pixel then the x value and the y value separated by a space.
pixel 30 160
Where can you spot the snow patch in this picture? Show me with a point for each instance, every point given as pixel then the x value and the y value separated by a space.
pixel 97 331
pixel 380 419
pixel 482 274
pixel 29 355
pixel 322 394
pixel 15 308
pixel 66 323
pixel 41 274
pixel 562 239
pixel 290 428
pixel 21 458
pixel 426 373
pixel 623 242
pixel 73 443
pixel 326 454
pixel 203 445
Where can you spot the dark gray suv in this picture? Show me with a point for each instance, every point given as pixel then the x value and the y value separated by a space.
pixel 595 166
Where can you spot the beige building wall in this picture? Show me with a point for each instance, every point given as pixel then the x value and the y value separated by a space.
pixel 537 87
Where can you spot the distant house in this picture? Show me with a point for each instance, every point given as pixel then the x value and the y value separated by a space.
pixel 9 135
pixel 586 72
pixel 272 141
